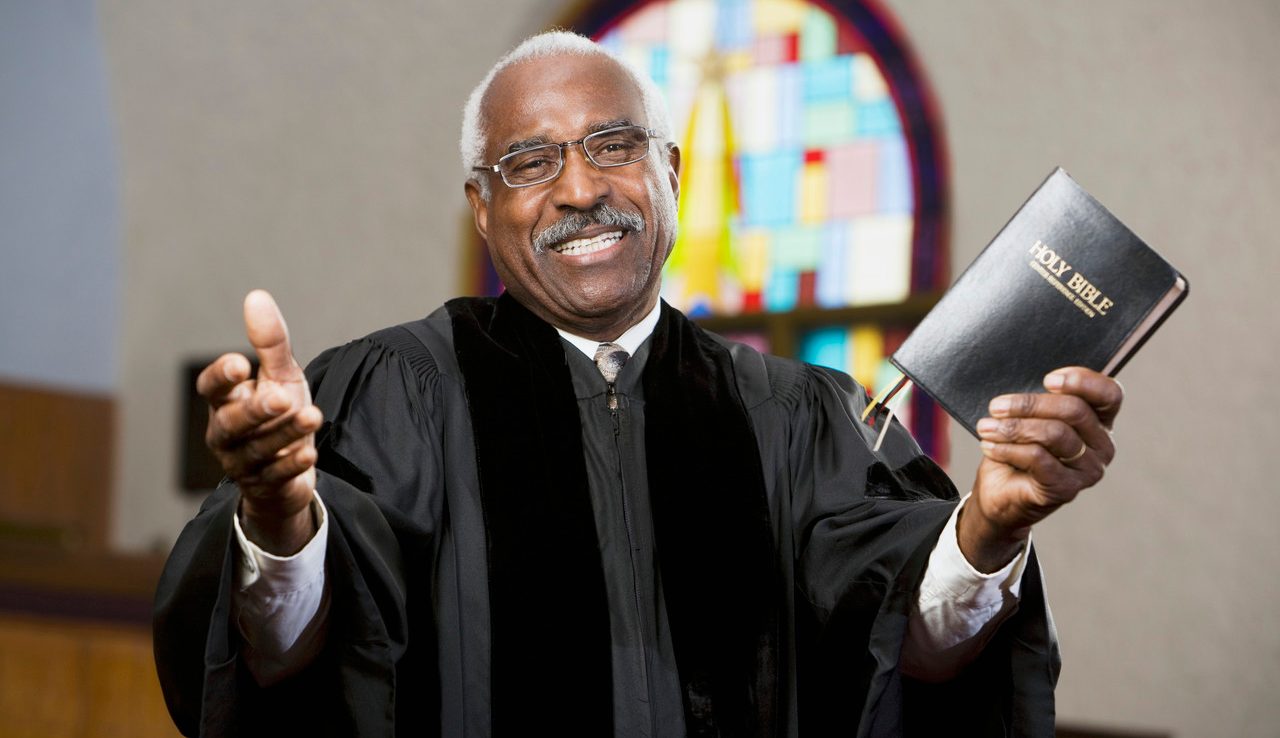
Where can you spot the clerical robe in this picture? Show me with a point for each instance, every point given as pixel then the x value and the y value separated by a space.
pixel 509 555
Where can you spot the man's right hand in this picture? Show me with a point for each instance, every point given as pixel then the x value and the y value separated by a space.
pixel 263 431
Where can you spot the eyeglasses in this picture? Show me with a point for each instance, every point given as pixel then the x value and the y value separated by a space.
pixel 612 147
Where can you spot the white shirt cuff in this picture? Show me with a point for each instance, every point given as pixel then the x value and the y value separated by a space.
pixel 958 608
pixel 282 603
pixel 283 574
pixel 950 577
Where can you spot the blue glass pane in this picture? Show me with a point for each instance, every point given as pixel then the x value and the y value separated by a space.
pixel 733 24
pixel 826 347
pixel 769 187
pixel 831 79
pixel 790 106
pixel 781 290
pixel 895 177
pixel 878 118
pixel 659 59
pixel 830 291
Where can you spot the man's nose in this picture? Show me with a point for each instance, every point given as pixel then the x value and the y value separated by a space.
pixel 581 184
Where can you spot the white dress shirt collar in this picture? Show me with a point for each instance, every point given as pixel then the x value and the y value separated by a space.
pixel 630 339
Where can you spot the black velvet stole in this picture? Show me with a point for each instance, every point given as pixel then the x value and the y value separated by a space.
pixel 548 611
pixel 716 552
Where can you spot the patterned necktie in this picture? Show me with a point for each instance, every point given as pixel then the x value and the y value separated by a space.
pixel 610 358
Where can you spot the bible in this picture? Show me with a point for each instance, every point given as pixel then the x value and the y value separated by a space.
pixel 1064 283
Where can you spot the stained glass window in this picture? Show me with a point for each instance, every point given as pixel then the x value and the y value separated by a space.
pixel 795 158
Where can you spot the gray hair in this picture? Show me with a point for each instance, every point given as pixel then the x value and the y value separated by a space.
pixel 550 43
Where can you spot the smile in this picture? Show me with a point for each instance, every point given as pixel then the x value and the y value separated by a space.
pixel 582 246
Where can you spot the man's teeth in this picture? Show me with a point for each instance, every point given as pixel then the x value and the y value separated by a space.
pixel 580 246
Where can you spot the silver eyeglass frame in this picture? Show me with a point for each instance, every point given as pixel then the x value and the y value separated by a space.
pixel 561 148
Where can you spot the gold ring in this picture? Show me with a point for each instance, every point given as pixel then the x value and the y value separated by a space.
pixel 1068 459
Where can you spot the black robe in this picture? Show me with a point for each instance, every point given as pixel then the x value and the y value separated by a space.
pixel 419 546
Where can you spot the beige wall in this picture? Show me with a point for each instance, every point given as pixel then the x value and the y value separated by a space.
pixel 1161 579
pixel 306 147
pixel 310 148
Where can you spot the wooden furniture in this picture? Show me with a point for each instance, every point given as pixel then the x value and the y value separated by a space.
pixel 75 619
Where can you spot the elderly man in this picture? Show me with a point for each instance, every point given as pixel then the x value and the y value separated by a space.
pixel 569 510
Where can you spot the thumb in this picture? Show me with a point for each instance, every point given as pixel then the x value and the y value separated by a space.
pixel 269 336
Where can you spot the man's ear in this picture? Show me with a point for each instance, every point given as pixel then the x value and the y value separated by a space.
pixel 479 208
pixel 673 163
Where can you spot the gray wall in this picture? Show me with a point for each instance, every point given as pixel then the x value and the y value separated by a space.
pixel 59 217
pixel 309 147
pixel 1162 578
pixel 306 147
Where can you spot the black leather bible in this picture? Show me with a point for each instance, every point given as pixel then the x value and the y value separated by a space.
pixel 1064 283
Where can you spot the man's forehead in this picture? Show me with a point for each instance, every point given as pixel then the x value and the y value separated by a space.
pixel 560 98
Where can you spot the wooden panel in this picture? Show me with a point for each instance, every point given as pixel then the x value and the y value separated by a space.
pixel 75 680
pixel 40 676
pixel 123 695
pixel 83 573
pixel 55 468
pixel 75 640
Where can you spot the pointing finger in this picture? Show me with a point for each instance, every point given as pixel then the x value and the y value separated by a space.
pixel 270 337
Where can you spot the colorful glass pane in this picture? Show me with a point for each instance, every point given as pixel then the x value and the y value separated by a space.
pixel 797 179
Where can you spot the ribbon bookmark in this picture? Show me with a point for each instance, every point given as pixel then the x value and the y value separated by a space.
pixel 889 418
pixel 885 395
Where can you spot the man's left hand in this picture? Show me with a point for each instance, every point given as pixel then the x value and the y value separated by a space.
pixel 1040 450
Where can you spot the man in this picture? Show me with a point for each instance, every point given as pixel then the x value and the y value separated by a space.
pixel 569 510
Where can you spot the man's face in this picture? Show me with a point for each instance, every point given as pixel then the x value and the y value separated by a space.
pixel 596 289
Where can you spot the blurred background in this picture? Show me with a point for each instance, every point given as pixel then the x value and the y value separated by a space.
pixel 159 159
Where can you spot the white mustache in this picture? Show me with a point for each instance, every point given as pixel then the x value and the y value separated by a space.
pixel 602 214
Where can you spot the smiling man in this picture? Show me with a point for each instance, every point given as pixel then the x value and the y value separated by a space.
pixel 569 510
pixel 591 279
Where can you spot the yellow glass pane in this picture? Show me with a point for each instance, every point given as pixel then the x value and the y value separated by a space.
pixel 779 16
pixel 868 352
pixel 813 193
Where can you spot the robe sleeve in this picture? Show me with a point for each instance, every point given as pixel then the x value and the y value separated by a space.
pixel 863 524
pixel 382 516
